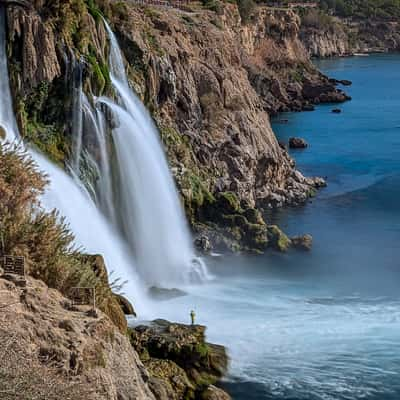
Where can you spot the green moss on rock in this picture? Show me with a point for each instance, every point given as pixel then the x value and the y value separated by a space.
pixel 277 239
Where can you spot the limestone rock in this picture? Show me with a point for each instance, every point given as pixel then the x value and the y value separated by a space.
pixel 63 351
pixel 303 242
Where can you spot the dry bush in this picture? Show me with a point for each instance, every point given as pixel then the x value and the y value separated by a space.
pixel 41 237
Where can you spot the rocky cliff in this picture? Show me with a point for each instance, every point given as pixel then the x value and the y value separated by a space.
pixel 343 37
pixel 209 80
pixel 52 349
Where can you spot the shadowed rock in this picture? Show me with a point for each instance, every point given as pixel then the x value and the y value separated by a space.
pixel 297 143
pixel 303 242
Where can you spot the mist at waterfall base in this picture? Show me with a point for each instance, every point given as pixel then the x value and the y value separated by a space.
pixel 325 324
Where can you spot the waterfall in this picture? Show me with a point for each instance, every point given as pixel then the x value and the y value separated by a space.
pixel 77 120
pixel 94 122
pixel 152 217
pixel 91 229
pixel 7 119
pixel 138 193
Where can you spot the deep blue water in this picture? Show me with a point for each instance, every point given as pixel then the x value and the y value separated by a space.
pixel 323 325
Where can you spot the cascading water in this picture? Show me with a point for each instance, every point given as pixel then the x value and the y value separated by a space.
pixel 90 228
pixel 7 119
pixel 94 121
pixel 77 120
pixel 147 207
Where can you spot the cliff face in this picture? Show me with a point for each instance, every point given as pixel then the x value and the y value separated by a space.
pixel 209 81
pixel 322 43
pixel 347 37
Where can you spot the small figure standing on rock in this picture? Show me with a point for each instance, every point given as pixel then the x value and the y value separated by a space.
pixel 192 316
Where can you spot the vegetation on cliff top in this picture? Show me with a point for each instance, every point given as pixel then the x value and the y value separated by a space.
pixel 363 8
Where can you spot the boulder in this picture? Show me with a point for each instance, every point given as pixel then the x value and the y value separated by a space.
pixel 203 243
pixel 303 242
pixel 297 143
pixel 125 304
pixel 214 393
pixel 277 239
pixel 345 82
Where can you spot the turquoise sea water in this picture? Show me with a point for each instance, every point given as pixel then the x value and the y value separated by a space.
pixel 326 324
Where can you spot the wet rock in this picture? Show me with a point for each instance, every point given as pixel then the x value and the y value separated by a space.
pixel 336 111
pixel 343 82
pixel 297 143
pixel 318 182
pixel 165 294
pixel 277 239
pixel 303 242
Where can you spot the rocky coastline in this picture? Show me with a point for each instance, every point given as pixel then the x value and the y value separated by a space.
pixel 343 37
pixel 211 102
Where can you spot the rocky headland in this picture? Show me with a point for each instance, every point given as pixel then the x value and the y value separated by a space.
pixel 210 81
